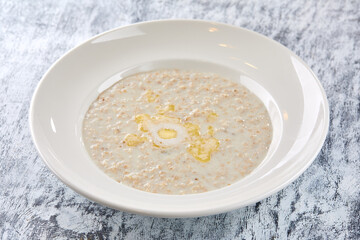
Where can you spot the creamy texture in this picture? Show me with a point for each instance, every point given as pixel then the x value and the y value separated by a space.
pixel 177 132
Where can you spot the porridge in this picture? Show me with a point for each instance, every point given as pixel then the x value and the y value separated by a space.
pixel 177 132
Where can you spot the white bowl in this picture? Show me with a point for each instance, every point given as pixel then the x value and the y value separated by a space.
pixel 291 92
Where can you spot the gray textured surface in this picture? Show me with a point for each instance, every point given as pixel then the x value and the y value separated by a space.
pixel 324 203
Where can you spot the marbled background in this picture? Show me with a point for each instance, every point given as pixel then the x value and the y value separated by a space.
pixel 324 203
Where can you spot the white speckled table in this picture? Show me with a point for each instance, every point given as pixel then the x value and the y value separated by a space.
pixel 324 203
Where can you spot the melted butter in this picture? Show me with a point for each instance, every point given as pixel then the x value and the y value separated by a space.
pixel 142 121
pixel 192 129
pixel 167 133
pixel 133 140
pixel 202 148
pixel 151 96
pixel 166 109
pixel 199 147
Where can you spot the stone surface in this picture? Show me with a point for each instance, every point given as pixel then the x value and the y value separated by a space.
pixel 324 203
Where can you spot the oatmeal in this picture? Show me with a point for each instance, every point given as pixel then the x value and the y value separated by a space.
pixel 177 132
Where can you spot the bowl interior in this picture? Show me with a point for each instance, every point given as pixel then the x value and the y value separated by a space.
pixel 293 96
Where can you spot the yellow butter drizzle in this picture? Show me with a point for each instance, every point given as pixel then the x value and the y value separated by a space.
pixel 151 96
pixel 166 109
pixel 166 133
pixel 133 140
pixel 199 147
pixel 142 120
